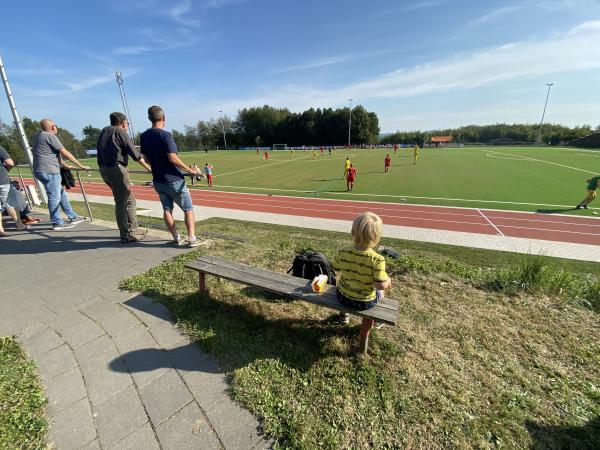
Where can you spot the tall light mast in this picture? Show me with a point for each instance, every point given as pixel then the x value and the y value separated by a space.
pixel 119 77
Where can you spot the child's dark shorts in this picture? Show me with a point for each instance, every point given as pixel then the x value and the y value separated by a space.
pixel 357 304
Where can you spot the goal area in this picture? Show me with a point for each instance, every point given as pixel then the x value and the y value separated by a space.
pixel 280 146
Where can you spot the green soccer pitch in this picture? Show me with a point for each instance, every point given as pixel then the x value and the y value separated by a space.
pixel 518 178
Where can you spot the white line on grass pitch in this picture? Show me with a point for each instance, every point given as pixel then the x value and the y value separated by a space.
pixel 539 160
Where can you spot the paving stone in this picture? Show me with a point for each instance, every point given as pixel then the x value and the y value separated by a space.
pixel 65 389
pixel 146 365
pixel 119 416
pixel 72 426
pixel 165 396
pixel 93 445
pixel 167 335
pixel 100 308
pixel 148 311
pixel 264 444
pixel 209 389
pixel 119 323
pixel 102 384
pixel 42 342
pixel 98 353
pixel 187 357
pixel 142 438
pixel 65 320
pixel 236 427
pixel 82 333
pixel 56 361
pixel 187 429
pixel 137 338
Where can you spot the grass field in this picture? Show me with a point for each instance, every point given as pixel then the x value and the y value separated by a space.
pixel 518 178
pixel 470 365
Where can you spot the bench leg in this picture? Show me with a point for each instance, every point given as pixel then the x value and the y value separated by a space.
pixel 365 328
pixel 202 282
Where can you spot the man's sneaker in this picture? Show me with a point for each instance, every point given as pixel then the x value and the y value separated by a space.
pixel 578 207
pixel 180 240
pixel 62 226
pixel 132 238
pixel 76 220
pixel 196 243
pixel 585 207
pixel 29 220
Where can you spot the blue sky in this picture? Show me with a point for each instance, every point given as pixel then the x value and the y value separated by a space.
pixel 418 64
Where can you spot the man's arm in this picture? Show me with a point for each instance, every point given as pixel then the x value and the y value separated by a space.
pixel 67 154
pixel 144 164
pixel 177 162
pixel 8 163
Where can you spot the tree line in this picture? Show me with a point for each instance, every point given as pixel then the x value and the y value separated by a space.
pixel 496 134
pixel 266 125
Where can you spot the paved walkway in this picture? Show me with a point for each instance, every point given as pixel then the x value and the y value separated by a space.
pixel 476 240
pixel 116 371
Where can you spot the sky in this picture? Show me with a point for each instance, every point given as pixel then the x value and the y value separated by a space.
pixel 419 64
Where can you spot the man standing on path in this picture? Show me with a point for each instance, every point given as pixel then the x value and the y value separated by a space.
pixel 48 153
pixel 160 150
pixel 6 163
pixel 114 149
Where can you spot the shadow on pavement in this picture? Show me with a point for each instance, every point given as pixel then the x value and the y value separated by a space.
pixel 565 437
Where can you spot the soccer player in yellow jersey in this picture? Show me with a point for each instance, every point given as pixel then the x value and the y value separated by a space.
pixel 347 165
pixel 314 153
pixel 416 153
pixel 361 275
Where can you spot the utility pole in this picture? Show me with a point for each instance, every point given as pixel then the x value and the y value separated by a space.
pixel 119 77
pixel 223 126
pixel 539 138
pixel 349 120
pixel 20 129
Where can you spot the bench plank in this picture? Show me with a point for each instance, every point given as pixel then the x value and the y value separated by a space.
pixel 388 303
pixel 288 285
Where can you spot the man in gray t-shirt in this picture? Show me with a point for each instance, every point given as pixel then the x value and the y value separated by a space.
pixel 6 163
pixel 48 153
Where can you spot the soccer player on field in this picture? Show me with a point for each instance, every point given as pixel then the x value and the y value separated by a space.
pixel 395 148
pixel 350 178
pixel 593 184
pixel 322 150
pixel 292 151
pixel 387 163
pixel 266 155
pixel 416 153
pixel 347 165
pixel 257 151
pixel 314 153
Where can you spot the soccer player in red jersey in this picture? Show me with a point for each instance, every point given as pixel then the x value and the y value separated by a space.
pixel 350 177
pixel 387 163
pixel 267 155
pixel 395 148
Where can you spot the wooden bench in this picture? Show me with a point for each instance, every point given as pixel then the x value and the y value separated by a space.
pixel 298 288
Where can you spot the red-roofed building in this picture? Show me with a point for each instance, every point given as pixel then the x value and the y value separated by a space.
pixel 441 140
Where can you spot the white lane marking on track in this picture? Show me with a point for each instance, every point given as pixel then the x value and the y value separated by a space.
pixel 490 222
pixel 541 160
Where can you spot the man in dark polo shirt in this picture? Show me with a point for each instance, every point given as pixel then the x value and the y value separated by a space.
pixel 114 149
pixel 160 150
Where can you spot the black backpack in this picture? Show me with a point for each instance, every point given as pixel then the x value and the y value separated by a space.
pixel 309 264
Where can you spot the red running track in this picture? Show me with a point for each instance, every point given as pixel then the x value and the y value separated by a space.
pixel 559 228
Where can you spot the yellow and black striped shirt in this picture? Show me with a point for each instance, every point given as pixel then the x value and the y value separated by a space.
pixel 359 270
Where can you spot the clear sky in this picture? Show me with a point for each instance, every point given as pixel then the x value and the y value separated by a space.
pixel 419 64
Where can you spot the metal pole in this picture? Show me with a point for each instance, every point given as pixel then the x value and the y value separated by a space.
pixel 21 131
pixel 539 138
pixel 85 199
pixel 349 120
pixel 223 125
pixel 119 78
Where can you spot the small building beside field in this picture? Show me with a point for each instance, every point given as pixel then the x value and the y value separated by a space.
pixel 440 140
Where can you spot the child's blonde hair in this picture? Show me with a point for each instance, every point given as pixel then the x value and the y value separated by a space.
pixel 366 230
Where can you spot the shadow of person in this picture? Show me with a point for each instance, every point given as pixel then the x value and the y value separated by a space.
pixel 552 437
pixel 554 211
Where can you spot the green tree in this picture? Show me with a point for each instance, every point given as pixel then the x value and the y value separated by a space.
pixel 90 137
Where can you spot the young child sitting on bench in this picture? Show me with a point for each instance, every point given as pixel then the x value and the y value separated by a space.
pixel 361 275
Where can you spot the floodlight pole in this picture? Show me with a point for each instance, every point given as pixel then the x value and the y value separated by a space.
pixel 20 129
pixel 119 77
pixel 539 138
pixel 223 126
pixel 349 120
